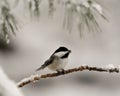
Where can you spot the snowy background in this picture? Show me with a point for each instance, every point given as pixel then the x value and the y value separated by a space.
pixel 37 40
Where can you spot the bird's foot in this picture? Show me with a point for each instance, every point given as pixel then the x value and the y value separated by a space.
pixel 62 71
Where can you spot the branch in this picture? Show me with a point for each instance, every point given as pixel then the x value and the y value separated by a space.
pixel 34 78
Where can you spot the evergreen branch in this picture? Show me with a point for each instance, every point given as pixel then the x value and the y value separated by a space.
pixel 51 7
pixel 34 78
pixel 34 7
pixel 9 23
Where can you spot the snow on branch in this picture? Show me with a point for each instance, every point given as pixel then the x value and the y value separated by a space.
pixel 7 86
pixel 33 78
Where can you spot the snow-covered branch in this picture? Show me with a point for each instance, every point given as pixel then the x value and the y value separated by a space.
pixel 33 78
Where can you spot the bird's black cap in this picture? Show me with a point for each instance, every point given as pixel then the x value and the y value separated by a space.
pixel 61 49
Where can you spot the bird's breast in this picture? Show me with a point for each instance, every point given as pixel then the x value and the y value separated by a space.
pixel 58 64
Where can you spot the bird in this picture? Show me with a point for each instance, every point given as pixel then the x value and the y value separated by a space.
pixel 57 61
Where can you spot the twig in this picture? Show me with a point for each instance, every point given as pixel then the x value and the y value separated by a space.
pixel 34 78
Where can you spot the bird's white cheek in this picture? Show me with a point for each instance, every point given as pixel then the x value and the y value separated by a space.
pixel 60 54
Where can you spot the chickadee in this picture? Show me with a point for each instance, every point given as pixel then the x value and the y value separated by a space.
pixel 57 60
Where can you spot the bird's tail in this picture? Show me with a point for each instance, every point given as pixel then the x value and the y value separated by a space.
pixel 40 68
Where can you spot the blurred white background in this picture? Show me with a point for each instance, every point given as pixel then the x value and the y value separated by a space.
pixel 37 40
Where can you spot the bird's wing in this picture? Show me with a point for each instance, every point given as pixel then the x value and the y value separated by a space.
pixel 48 62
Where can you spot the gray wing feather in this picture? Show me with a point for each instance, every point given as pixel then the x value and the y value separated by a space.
pixel 48 62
